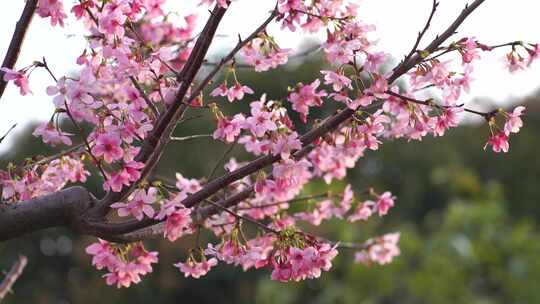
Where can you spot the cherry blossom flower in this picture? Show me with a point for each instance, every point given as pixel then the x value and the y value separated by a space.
pixel 108 146
pixel 499 142
pixel 514 122
pixel 306 96
pixel 140 204
pixel 381 250
pixel 261 120
pixel 285 144
pixel 19 78
pixel 177 219
pixel 337 81
pixel 384 202
pixel 237 92
pixel 52 135
pixel 53 9
pixel 363 212
pixel 229 129
pixel 196 269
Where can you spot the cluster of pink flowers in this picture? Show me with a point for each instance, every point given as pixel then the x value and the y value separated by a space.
pixel 264 54
pixel 306 96
pixel 311 17
pixel 365 209
pixel 140 204
pixel 53 9
pixel 41 179
pixel 295 264
pixel 516 62
pixel 288 263
pixel 381 250
pixel 194 269
pixel 125 266
pixel 236 92
pixel 499 138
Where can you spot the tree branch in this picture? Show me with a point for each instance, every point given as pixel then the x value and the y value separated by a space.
pixel 330 124
pixel 69 207
pixel 12 276
pixel 17 40
pixel 63 208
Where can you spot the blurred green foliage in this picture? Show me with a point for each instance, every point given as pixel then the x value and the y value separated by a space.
pixel 468 218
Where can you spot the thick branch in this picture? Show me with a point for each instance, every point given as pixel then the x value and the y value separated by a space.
pixel 17 40
pixel 63 208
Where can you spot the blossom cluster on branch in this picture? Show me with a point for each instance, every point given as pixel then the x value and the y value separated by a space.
pixel 136 78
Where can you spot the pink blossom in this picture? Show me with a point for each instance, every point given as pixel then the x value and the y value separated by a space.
pixel 53 9
pixel 514 122
pixel 229 129
pixel 306 96
pixel 186 185
pixel 448 119
pixel 237 92
pixel 499 142
pixel 108 146
pixel 362 212
pixel 124 275
pixel 285 144
pixel 178 220
pixel 261 119
pixel 469 51
pixel 384 203
pixel 112 23
pixel 51 135
pixel 374 61
pixel 221 90
pixel 515 62
pixel 116 181
pixel 381 250
pixel 80 9
pixel 18 78
pixel 140 204
pixel 337 81
pixel 295 264
pixel 103 255
pixel 534 53
pixel 196 269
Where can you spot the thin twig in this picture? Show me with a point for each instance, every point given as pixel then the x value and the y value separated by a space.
pixel 423 32
pixel 190 137
pixel 221 159
pixel 238 216
pixel 295 200
pixel 6 134
pixel 56 156
pixel 12 276
pixel 430 103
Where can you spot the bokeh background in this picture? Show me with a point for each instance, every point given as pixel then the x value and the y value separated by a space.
pixel 469 218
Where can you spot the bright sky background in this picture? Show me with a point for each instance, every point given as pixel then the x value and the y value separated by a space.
pixel 397 21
